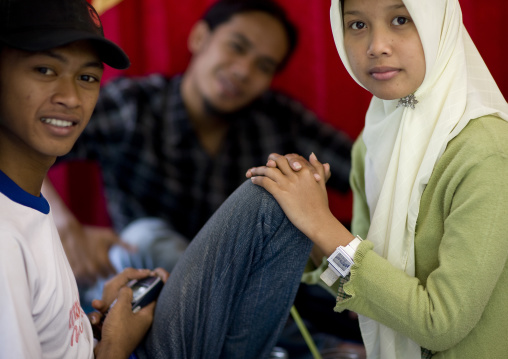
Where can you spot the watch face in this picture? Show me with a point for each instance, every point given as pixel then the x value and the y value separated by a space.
pixel 341 262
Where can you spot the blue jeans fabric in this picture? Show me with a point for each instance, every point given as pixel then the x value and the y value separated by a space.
pixel 230 294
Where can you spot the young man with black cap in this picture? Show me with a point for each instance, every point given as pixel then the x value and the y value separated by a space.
pixel 229 295
pixel 51 63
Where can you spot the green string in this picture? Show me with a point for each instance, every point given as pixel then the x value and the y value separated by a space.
pixel 305 333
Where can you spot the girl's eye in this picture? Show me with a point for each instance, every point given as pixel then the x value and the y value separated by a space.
pixel 400 20
pixel 88 78
pixel 45 71
pixel 357 25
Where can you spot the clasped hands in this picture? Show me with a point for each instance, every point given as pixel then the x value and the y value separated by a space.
pixel 296 163
pixel 299 186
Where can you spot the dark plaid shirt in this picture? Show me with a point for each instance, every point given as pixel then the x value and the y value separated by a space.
pixel 152 163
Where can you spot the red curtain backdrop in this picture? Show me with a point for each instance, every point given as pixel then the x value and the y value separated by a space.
pixel 154 35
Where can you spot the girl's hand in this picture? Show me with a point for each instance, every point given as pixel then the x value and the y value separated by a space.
pixel 296 163
pixel 301 194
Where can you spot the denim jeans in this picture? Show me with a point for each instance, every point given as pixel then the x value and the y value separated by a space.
pixel 230 293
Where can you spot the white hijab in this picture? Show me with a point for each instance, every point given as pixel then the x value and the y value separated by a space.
pixel 404 144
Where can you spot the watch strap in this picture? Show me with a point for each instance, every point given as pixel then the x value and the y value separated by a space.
pixel 331 274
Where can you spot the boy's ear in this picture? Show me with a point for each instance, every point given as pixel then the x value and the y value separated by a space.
pixel 198 36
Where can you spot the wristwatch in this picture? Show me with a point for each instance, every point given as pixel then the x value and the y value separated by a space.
pixel 340 262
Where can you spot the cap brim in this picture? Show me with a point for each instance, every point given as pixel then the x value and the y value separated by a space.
pixel 109 53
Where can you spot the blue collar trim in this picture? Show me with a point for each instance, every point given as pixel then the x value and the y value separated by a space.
pixel 15 193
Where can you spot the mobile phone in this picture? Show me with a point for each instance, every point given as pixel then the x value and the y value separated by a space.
pixel 144 291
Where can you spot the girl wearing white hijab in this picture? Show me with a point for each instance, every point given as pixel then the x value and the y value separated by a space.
pixel 430 186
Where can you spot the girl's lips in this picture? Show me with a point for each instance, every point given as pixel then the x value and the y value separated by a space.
pixel 383 74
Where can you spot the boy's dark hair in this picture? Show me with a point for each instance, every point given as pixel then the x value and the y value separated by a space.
pixel 223 10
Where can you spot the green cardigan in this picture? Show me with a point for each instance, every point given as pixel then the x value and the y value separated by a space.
pixel 457 305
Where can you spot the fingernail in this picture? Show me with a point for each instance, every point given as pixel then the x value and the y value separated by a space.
pixel 313 155
pixel 317 177
pixel 297 165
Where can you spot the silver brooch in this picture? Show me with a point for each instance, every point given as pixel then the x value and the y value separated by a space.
pixel 408 101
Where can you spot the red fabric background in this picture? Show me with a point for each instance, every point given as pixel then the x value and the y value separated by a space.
pixel 154 35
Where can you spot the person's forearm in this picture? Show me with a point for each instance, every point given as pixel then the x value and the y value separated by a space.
pixel 105 351
pixel 330 235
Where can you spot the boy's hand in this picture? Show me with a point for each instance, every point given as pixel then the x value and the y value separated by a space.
pixel 115 284
pixel 122 330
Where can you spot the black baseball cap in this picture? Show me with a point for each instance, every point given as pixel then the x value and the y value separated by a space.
pixel 39 25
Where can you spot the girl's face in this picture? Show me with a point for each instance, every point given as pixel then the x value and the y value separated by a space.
pixel 383 47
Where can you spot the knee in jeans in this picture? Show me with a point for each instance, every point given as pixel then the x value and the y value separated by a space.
pixel 256 195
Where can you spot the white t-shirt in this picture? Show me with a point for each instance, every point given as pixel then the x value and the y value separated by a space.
pixel 40 312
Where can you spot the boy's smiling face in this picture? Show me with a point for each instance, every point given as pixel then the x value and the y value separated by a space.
pixel 46 99
pixel 383 47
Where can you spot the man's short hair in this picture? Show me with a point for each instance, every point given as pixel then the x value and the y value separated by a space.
pixel 223 10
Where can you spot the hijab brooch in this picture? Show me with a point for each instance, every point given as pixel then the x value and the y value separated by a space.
pixel 408 101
